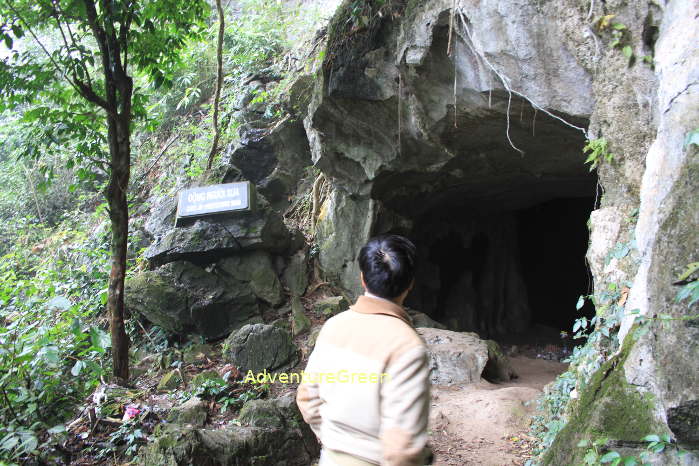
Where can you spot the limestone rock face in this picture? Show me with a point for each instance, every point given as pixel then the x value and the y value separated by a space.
pixel 455 357
pixel 344 226
pixel 260 347
pixel 273 159
pixel 300 323
pixel 257 270
pixel 295 275
pixel 183 297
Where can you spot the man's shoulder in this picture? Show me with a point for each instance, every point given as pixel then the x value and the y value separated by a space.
pixel 381 333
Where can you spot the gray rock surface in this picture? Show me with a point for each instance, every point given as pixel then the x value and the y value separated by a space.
pixel 260 347
pixel 330 306
pixel 192 411
pixel 300 323
pixel 182 297
pixel 344 226
pixel 179 445
pixel 455 357
pixel 255 269
pixel 295 275
pixel 281 413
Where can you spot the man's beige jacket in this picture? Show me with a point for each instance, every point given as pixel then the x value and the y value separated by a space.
pixel 366 387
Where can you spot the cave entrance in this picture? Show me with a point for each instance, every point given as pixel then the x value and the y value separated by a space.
pixel 504 274
pixel 502 236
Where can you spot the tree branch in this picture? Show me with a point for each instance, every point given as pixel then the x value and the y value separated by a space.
pixel 100 37
pixel 73 41
pixel 89 94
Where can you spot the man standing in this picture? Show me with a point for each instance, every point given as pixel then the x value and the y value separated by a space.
pixel 365 390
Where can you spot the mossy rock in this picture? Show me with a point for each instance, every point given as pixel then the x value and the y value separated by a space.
pixel 296 274
pixel 206 376
pixel 158 300
pixel 330 306
pixel 282 323
pixel 608 407
pixel 187 445
pixel 259 347
pixel 182 297
pixel 498 367
pixel 192 411
pixel 170 381
pixel 300 323
pixel 279 413
pixel 257 271
pixel 261 413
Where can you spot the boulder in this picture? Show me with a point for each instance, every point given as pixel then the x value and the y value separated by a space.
pixel 498 367
pixel 186 445
pixel 256 269
pixel 158 300
pixel 281 413
pixel 182 297
pixel 330 306
pixel 192 411
pixel 299 322
pixel 455 357
pixel 260 347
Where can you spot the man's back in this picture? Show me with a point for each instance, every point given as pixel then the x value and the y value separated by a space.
pixel 366 386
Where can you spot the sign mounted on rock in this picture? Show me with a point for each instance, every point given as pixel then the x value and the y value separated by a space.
pixel 214 200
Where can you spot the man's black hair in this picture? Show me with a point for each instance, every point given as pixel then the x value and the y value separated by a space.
pixel 388 265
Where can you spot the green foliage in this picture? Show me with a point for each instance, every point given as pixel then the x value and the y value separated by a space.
pixel 230 395
pixel 53 275
pixel 52 351
pixel 597 452
pixel 126 439
pixel 600 334
pixel 598 152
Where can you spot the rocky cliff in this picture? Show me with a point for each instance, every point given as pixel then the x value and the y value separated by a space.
pixel 445 118
pixel 461 124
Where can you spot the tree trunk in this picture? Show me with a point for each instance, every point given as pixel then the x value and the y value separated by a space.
pixel 120 151
pixel 219 83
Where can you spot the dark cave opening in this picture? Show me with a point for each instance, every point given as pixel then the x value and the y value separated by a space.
pixel 503 273
pixel 553 239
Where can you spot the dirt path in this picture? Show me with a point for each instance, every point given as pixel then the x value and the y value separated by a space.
pixel 484 423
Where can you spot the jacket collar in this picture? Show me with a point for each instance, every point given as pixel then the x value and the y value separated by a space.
pixel 375 305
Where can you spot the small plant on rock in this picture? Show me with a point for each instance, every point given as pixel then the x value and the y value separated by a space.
pixel 598 152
